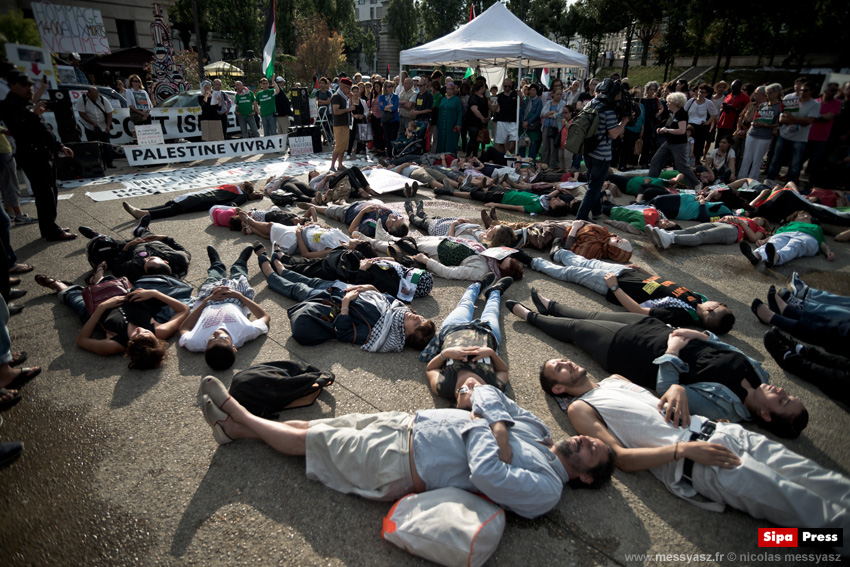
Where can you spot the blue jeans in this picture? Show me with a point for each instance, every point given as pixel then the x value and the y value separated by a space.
pixel 465 310
pixel 218 272
pixel 73 298
pixel 247 124
pixel 294 285
pixel 597 171
pixel 579 270
pixel 783 146
pixel 269 125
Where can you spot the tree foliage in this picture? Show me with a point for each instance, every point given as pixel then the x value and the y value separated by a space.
pixel 319 50
pixel 18 29
pixel 440 17
pixel 403 18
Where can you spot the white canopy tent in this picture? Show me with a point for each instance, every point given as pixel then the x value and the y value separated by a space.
pixel 496 38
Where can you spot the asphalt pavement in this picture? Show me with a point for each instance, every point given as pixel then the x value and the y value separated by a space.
pixel 119 466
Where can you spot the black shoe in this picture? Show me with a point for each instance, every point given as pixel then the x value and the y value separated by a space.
pixel 408 208
pixel 88 232
pixel 212 253
pixel 754 306
pixel 384 162
pixel 420 209
pixel 502 285
pixel 556 246
pixel 142 227
pixel 779 346
pixel 770 252
pixel 15 293
pixel 535 298
pixel 522 257
pixel 14 308
pixel 747 251
pixel 9 452
pixel 443 191
pixel 245 255
pixel 771 299
pixel 488 280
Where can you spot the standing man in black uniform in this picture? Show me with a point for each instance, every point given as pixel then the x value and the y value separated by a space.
pixel 36 150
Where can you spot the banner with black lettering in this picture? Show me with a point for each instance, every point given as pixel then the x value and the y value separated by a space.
pixel 172 153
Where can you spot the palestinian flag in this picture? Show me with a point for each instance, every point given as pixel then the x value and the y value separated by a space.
pixel 269 33
pixel 545 78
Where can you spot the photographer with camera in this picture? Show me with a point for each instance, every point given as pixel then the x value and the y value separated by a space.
pixel 96 112
pixel 614 104
pixel 676 147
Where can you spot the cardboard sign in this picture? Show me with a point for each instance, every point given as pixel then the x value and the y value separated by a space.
pixel 35 62
pixel 314 108
pixel 499 253
pixel 67 74
pixel 151 134
pixel 172 153
pixel 70 29
pixel 384 181
pixel 301 145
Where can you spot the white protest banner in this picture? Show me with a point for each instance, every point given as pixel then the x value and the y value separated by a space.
pixel 70 29
pixel 172 153
pixel 149 135
pixel 35 62
pixel 383 181
pixel 300 146
pixel 314 108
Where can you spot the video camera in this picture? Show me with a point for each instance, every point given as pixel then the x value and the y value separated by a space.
pixel 618 99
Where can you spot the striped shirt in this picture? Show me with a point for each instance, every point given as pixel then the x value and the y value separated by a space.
pixel 607 121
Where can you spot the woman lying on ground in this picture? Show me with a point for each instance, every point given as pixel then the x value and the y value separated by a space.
pixel 128 321
pixel 309 240
pixel 466 347
pixel 492 237
pixel 800 236
pixel 728 230
pixel 199 201
pixel 558 203
pixel 223 215
pixel 334 310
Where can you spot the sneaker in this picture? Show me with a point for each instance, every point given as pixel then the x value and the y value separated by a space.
pixel 665 239
pixel 501 286
pixel 650 233
pixel 142 227
pixel 408 208
pixel 24 218
pixel 420 209
pixel 488 280
pixel 798 287
pixel 779 346
pixel 443 191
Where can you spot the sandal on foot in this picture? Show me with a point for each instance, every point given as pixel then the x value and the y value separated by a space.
pixel 8 403
pixel 90 280
pixel 24 376
pixel 214 418
pixel 18 358
pixel 212 387
pixel 259 248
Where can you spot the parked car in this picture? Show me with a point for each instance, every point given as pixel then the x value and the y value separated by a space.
pixel 115 99
pixel 188 98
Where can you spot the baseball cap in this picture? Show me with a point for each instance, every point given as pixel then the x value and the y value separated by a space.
pixel 278 80
pixel 18 78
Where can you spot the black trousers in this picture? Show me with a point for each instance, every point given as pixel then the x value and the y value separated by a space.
pixel 358 180
pixel 301 190
pixel 41 172
pixel 829 372
pixel 591 331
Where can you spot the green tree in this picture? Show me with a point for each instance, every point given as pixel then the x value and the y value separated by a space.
pixel 241 23
pixel 369 45
pixel 441 17
pixel 403 16
pixel 319 50
pixel 18 29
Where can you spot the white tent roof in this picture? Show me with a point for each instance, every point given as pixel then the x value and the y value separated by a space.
pixel 494 39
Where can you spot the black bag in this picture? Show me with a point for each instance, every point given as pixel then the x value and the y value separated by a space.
pixel 282 198
pixel 269 388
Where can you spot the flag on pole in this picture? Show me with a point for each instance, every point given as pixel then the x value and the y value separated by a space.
pixel 544 77
pixel 471 12
pixel 388 71
pixel 269 34
pixel 469 72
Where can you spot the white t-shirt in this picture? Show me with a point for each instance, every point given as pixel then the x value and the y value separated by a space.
pixel 799 109
pixel 700 113
pixel 95 109
pixel 228 316
pixel 721 160
pixel 138 99
pixel 317 238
